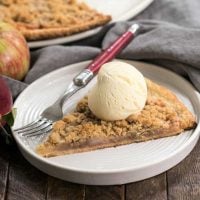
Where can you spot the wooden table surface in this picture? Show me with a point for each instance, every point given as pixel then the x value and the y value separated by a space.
pixel 20 180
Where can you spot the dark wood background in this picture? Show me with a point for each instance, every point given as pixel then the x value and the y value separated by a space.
pixel 20 180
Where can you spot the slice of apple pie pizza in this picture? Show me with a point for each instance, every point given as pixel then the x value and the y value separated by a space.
pixel 163 115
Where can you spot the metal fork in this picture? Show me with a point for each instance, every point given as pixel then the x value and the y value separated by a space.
pixel 53 113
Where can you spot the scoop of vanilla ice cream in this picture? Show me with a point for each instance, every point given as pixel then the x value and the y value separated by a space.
pixel 120 91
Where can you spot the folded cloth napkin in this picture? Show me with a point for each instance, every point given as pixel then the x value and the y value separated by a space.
pixel 169 37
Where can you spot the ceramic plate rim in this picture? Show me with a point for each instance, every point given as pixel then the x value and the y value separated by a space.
pixel 191 139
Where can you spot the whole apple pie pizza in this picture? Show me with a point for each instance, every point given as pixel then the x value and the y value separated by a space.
pixel 46 19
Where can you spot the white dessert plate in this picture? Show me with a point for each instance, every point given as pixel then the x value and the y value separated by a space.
pixel 119 10
pixel 108 166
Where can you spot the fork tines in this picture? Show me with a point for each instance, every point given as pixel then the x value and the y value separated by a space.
pixel 38 127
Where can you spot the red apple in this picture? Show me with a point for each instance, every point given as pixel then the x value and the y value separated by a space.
pixel 14 52
pixel 5 102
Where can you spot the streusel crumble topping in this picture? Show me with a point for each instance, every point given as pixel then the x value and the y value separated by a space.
pixel 82 124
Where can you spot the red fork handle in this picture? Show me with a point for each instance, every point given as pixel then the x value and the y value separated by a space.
pixel 105 56
pixel 109 53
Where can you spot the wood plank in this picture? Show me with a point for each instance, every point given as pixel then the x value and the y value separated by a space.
pixel 63 190
pixel 183 180
pixel 24 180
pixel 105 192
pixel 4 166
pixel 154 188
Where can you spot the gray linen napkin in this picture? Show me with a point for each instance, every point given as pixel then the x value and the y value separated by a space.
pixel 170 37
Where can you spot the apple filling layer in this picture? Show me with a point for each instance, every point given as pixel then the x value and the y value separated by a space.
pixel 163 115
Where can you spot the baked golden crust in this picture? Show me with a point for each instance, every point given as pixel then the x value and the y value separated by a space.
pixel 47 19
pixel 163 115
